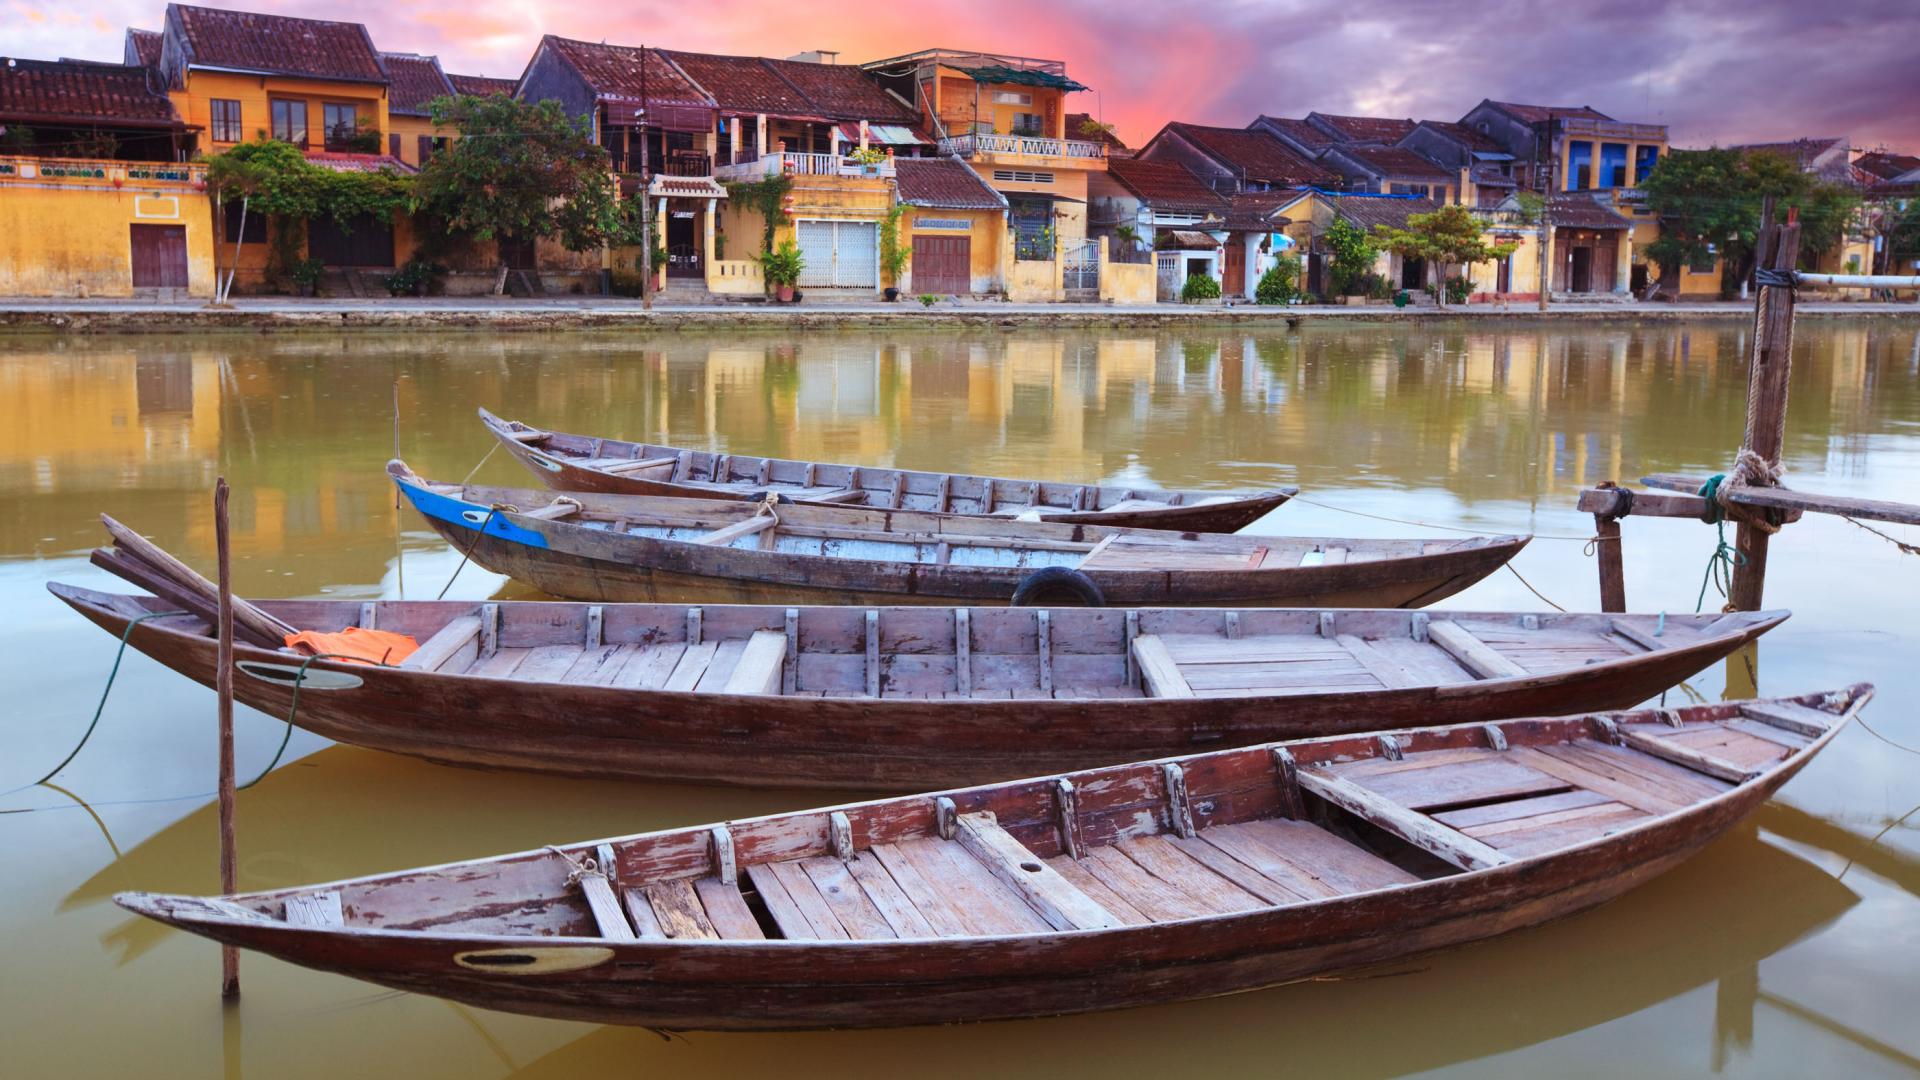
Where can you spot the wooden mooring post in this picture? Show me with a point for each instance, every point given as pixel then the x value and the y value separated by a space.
pixel 223 685
pixel 1770 366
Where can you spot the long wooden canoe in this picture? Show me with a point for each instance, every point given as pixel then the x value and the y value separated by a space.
pixel 1132 885
pixel 649 549
pixel 907 699
pixel 567 462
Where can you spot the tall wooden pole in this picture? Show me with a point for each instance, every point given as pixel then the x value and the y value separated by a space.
pixel 646 195
pixel 1546 218
pixel 1767 375
pixel 223 684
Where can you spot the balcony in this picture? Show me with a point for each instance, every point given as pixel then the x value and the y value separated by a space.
pixel 101 173
pixel 970 146
pixel 800 165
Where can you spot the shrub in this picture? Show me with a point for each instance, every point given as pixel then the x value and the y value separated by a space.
pixel 1277 284
pixel 782 265
pixel 1200 287
pixel 1353 253
pixel 928 299
pixel 413 277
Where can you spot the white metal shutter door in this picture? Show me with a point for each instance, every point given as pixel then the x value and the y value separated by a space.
pixel 816 250
pixel 856 263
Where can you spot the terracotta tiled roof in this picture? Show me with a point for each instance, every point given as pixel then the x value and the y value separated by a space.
pixel 1581 210
pixel 1394 161
pixel 1472 138
pixel 1077 120
pixel 843 93
pixel 944 183
pixel 613 71
pixel 1186 240
pixel 743 84
pixel 1367 211
pixel 278 44
pixel 1366 128
pixel 1166 185
pixel 1299 130
pixel 1255 155
pixel 1885 164
pixel 1253 211
pixel 415 80
pixel 481 85
pixel 358 163
pixel 1539 114
pixel 692 186
pixel 143 48
pixel 77 91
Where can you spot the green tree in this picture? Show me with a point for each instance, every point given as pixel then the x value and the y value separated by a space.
pixel 1448 237
pixel 1353 254
pixel 521 170
pixel 1709 201
pixel 275 179
pixel 1277 284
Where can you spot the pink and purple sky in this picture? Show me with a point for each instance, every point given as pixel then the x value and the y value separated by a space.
pixel 1715 71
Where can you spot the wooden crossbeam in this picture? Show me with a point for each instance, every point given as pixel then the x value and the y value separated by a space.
pixel 1474 655
pixel 1415 828
pixel 1057 900
pixel 1788 499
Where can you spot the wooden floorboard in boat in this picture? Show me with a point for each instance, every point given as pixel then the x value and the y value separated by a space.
pixel 1453 783
pixel 804 898
pixel 691 665
pixel 848 900
pixel 1517 809
pixel 596 665
pixel 1424 659
pixel 1217 894
pixel 678 908
pixel 547 663
pixel 1097 890
pixel 1547 832
pixel 946 919
pixel 728 910
pixel 726 657
pixel 647 667
pixel 1738 747
pixel 1323 856
pixel 987 901
pixel 1767 732
pixel 1202 850
pixel 500 665
pixel 1690 786
pixel 887 897
pixel 1154 898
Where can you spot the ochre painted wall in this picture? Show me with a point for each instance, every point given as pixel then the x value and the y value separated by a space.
pixel 410 129
pixel 71 237
pixel 253 92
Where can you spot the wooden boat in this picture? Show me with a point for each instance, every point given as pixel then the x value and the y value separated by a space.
pixel 1131 885
pixel 907 699
pixel 643 548
pixel 611 467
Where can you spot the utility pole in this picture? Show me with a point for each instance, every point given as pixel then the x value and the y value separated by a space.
pixel 646 193
pixel 1778 251
pixel 1546 218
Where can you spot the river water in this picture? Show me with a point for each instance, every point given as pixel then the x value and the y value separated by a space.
pixel 1786 949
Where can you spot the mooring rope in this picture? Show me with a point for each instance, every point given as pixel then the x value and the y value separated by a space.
pixel 468 553
pixel 1590 540
pixel 1725 556
pixel 119 655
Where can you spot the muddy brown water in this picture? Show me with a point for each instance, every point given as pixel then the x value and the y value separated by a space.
pixel 1786 949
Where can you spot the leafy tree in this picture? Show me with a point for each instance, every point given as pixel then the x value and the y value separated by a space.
pixel 1710 201
pixel 274 178
pixel 1448 237
pixel 1353 254
pixel 521 170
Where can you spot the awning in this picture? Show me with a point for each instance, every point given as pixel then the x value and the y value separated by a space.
pixel 686 187
pixel 882 134
pixel 1186 240
pixel 1021 77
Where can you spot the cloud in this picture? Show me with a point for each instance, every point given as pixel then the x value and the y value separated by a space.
pixel 1714 70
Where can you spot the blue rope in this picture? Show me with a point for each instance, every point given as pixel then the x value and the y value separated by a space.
pixel 125 635
pixel 1725 556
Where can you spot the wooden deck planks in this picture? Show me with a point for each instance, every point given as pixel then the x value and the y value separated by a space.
pixel 500 665
pixel 1450 783
pixel 988 904
pixel 1336 865
pixel 1159 674
pixel 848 901
pixel 945 919
pixel 678 908
pixel 1472 653
pixel 547 663
pixel 691 665
pixel 727 910
pixel 1397 818
pixel 1068 868
pixel 1157 856
pixel 647 667
pixel 795 904
pixel 893 903
pixel 1153 897
pixel 1203 851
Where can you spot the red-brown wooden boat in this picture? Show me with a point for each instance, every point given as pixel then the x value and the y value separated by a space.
pixel 642 548
pixel 907 699
pixel 1132 885
pixel 567 462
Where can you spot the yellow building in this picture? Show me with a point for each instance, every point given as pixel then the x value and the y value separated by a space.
pixel 954 227
pixel 1006 116
pixel 413 82
pixel 92 199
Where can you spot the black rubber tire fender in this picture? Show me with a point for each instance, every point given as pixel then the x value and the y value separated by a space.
pixel 1057 586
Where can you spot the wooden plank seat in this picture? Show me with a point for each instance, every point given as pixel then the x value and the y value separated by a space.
pixel 1141 552
pixel 629 466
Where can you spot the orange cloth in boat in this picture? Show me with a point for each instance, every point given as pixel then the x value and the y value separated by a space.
pixel 355 645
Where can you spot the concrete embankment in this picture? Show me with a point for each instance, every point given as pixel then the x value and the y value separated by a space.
pixel 101 316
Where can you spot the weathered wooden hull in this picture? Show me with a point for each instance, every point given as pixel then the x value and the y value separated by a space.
pixel 879 744
pixel 568 561
pixel 559 473
pixel 774 985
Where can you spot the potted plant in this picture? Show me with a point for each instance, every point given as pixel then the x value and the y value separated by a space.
pixel 782 267
pixel 1200 289
pixel 868 159
pixel 413 278
pixel 306 275
pixel 893 256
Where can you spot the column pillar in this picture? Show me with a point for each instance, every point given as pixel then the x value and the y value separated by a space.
pixel 863 134
pixel 660 238
pixel 760 134
pixel 707 243
pixel 733 140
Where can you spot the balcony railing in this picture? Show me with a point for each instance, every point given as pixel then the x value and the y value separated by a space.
pixel 102 173
pixel 967 146
pixel 801 165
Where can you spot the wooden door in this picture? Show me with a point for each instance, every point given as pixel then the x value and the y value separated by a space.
pixel 365 241
pixel 159 256
pixel 1582 270
pixel 942 265
pixel 1236 273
